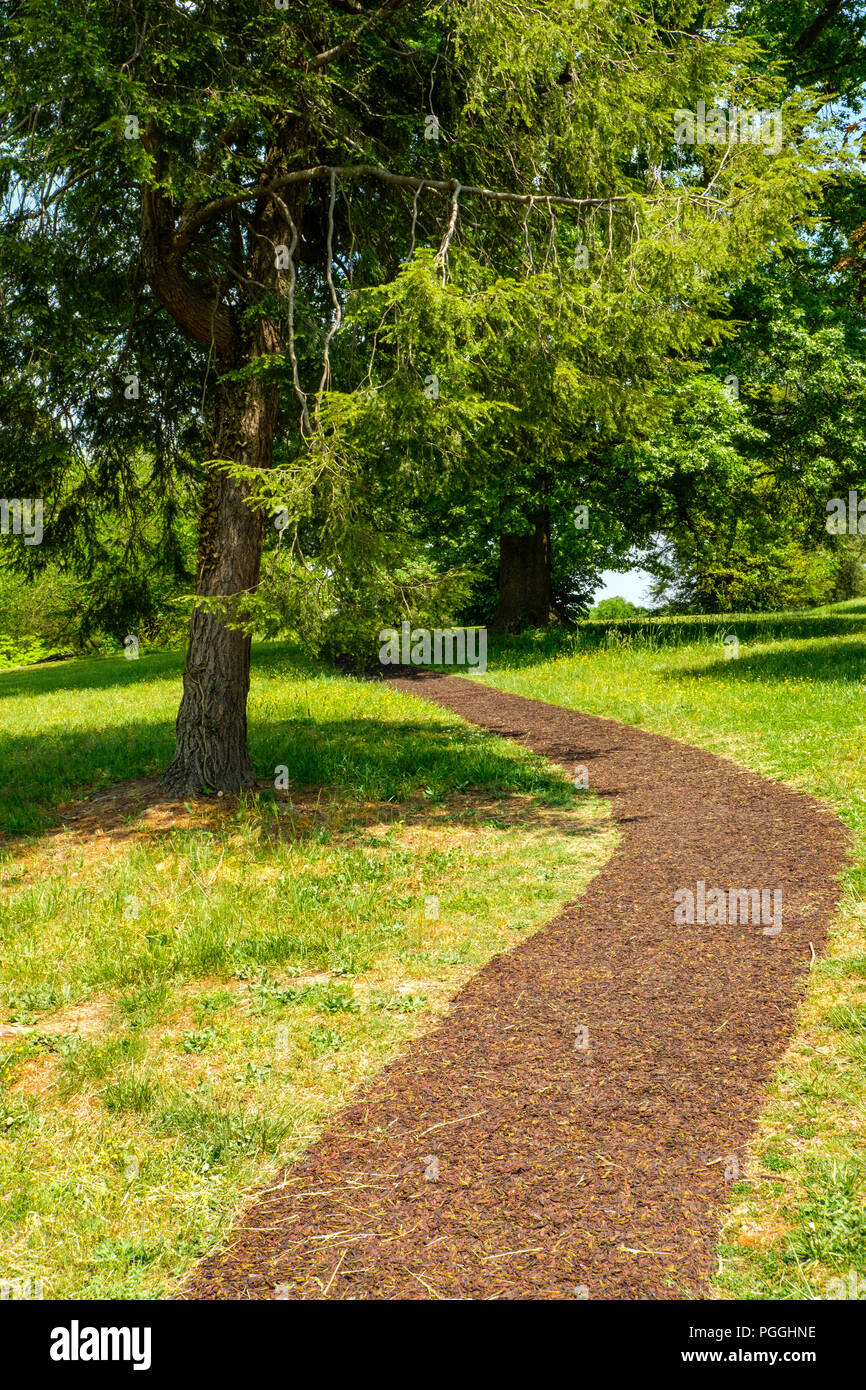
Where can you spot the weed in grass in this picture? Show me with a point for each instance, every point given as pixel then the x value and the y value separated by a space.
pixel 144 1007
pixel 215 1003
pixel 27 1005
pixel 85 1062
pixel 18 1206
pixel 255 1074
pixel 66 1046
pixel 335 999
pixel 13 1117
pixel 353 962
pixel 832 1225
pixel 848 1017
pixel 851 965
pixel 458 956
pixel 214 1135
pixel 399 1003
pixel 775 1162
pixel 268 997
pixel 198 1041
pixel 122 1254
pixel 325 1040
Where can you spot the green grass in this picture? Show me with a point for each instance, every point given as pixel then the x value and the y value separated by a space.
pixel 242 970
pixel 834 620
pixel 204 990
pixel 89 724
pixel 791 706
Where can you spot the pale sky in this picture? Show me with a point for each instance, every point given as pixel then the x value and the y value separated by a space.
pixel 632 585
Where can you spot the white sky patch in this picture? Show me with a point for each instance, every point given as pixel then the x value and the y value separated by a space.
pixel 630 584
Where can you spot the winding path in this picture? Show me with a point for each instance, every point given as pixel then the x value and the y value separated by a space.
pixel 570 1164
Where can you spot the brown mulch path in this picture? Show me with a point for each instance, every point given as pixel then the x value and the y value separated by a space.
pixel 565 1171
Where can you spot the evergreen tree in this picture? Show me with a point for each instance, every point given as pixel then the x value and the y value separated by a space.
pixel 200 193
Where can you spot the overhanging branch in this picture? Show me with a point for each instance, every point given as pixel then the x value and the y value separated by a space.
pixel 814 31
pixel 193 221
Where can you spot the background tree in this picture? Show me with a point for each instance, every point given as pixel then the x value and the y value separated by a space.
pixel 755 536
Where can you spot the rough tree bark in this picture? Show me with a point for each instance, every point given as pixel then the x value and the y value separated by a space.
pixel 211 725
pixel 525 594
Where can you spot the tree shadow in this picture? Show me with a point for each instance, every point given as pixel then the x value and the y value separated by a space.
pixel 137 812
pixel 362 760
pixel 826 661
pixel 87 673
pixel 537 647
pixel 104 672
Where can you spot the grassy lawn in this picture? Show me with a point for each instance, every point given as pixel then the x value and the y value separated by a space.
pixel 203 987
pixel 188 994
pixel 791 706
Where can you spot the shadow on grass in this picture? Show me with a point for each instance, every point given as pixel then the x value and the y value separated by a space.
pixel 536 647
pixel 825 661
pixel 109 672
pixel 87 673
pixel 361 759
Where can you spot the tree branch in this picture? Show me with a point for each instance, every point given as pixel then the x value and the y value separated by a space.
pixel 161 258
pixel 385 11
pixel 817 27
pixel 194 220
pixel 199 316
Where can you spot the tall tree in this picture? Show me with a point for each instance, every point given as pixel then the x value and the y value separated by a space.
pixel 245 167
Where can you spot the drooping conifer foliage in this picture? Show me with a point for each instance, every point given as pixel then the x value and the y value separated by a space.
pixel 396 295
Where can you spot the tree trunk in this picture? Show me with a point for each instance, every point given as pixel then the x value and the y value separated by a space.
pixel 525 596
pixel 211 724
pixel 211 727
